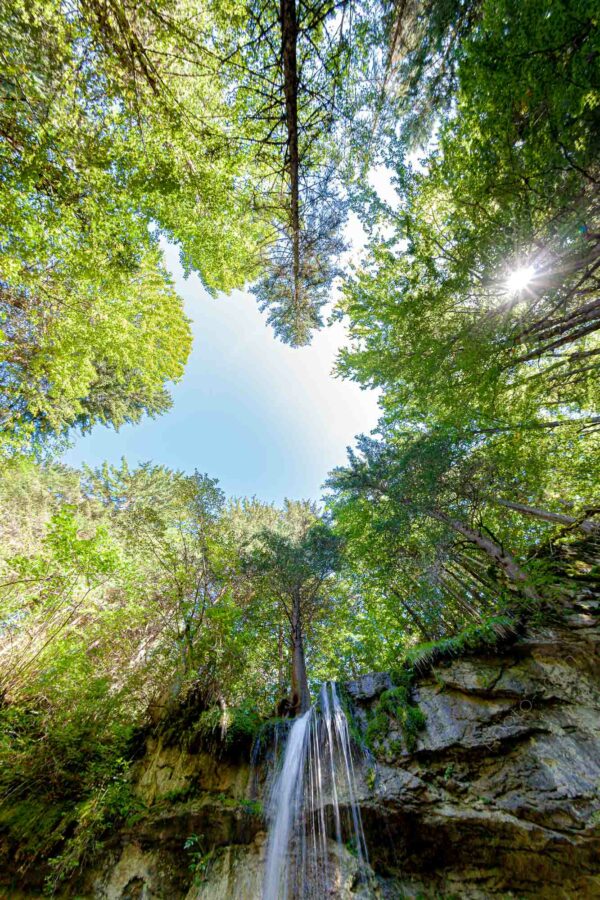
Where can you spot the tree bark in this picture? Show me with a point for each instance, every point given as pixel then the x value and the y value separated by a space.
pixel 549 327
pixel 459 590
pixel 559 342
pixel 300 691
pixel 289 37
pixel 503 560
pixel 534 426
pixel 485 583
pixel 280 673
pixel 585 525
pixel 412 614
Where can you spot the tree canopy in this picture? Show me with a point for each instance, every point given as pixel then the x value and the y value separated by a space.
pixel 246 134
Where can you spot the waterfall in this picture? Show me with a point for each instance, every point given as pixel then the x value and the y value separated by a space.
pixel 313 800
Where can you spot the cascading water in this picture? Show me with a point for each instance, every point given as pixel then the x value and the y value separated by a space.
pixel 313 799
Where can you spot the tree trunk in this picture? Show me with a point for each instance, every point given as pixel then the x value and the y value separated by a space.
pixel 412 614
pixel 187 648
pixel 485 583
pixel 300 692
pixel 503 560
pixel 585 525
pixel 289 37
pixel 534 426
pixel 280 673
pixel 547 328
pixel 458 590
pixel 559 342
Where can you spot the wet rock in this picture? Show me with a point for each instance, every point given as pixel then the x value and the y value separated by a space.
pixel 235 872
pixel 169 769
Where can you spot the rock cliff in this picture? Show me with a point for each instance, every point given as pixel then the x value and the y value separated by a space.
pixel 497 795
pixel 501 795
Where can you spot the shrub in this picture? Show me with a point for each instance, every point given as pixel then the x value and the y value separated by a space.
pixel 396 704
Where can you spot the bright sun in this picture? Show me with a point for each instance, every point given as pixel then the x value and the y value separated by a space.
pixel 518 280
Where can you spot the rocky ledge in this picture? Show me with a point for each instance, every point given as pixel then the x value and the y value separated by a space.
pixel 501 794
pixel 498 794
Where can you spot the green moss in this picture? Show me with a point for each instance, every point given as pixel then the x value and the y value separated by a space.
pixel 218 730
pixel 485 635
pixel 179 795
pixel 395 704
pixel 251 807
pixel 377 729
pixel 394 748
pixel 371 777
pixel 414 723
pixel 352 847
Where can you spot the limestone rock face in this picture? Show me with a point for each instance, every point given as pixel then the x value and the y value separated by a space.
pixel 167 769
pixel 369 687
pixel 236 872
pixel 499 797
pixel 193 798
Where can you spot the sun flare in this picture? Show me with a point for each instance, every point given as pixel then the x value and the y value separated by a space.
pixel 520 279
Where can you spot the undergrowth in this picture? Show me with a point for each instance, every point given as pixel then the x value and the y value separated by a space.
pixel 64 780
pixel 220 730
pixel 395 704
pixel 484 635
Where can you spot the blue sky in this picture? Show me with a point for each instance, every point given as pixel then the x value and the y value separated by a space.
pixel 263 418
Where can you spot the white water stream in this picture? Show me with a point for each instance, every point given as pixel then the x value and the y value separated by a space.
pixel 313 802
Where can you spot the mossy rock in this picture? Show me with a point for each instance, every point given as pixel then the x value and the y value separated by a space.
pixel 396 705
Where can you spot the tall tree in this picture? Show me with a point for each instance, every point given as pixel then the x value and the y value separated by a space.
pixel 294 562
pixel 429 527
pixel 113 132
pixel 299 71
pixel 483 303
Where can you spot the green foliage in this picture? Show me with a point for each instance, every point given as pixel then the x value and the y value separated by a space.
pixel 200 858
pixel 377 729
pixel 505 184
pixel 303 105
pixel 471 639
pixel 252 807
pixel 395 704
pixel 64 783
pixel 34 827
pixel 226 729
pixel 112 804
pixel 104 150
pixel 489 434
pixel 138 599
pixel 178 795
pixel 371 777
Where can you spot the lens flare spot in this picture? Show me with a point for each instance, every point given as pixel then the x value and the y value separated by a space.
pixel 520 279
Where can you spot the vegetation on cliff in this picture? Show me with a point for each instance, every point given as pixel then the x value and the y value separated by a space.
pixel 245 134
